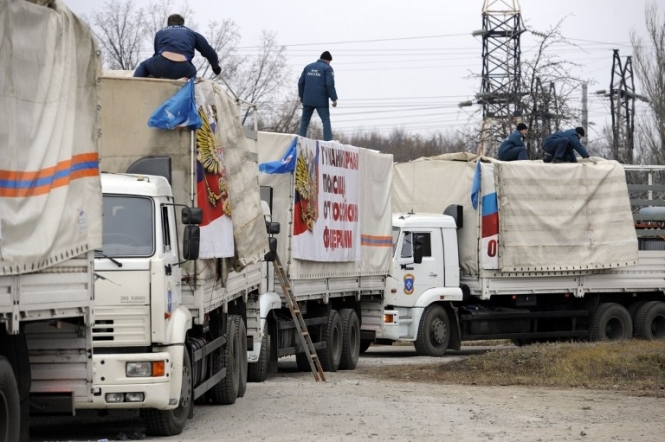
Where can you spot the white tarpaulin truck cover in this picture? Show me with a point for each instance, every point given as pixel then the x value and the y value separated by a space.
pixel 303 245
pixel 50 192
pixel 551 217
pixel 232 183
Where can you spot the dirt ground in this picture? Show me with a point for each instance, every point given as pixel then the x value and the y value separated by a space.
pixel 355 405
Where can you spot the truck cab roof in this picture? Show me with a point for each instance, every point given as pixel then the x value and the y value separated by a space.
pixel 419 220
pixel 140 185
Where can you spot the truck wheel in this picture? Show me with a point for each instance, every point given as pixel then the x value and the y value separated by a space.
pixel 172 422
pixel 611 322
pixel 332 336
pixel 364 345
pixel 650 321
pixel 433 332
pixel 242 353
pixel 258 371
pixel 350 339
pixel 225 392
pixel 10 413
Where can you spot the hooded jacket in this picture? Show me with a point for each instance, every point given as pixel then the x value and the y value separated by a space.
pixel 317 84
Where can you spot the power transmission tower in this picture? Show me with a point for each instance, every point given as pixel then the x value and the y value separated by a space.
pixel 501 87
pixel 622 106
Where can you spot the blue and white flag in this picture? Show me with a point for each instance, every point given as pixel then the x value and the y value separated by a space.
pixel 475 187
pixel 286 165
pixel 178 111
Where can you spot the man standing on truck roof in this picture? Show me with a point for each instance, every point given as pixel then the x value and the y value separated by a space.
pixel 315 87
pixel 174 51
pixel 513 148
pixel 560 147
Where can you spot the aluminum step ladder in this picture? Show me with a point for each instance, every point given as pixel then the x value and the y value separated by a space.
pixel 305 339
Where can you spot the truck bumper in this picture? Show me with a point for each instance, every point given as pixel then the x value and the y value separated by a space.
pixel 112 389
pixel 400 324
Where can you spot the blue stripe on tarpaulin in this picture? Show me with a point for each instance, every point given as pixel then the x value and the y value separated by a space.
pixel 490 204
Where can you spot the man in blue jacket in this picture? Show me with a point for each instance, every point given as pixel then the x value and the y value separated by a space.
pixel 174 50
pixel 561 146
pixel 315 87
pixel 513 147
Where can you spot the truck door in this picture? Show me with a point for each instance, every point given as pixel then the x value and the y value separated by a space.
pixel 417 278
pixel 170 257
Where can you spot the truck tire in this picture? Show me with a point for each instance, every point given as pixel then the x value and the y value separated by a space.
pixel 10 412
pixel 650 321
pixel 350 339
pixel 172 422
pixel 15 350
pixel 364 345
pixel 611 322
pixel 433 332
pixel 225 392
pixel 242 351
pixel 332 336
pixel 258 371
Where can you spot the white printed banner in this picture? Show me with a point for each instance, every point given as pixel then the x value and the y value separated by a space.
pixel 326 207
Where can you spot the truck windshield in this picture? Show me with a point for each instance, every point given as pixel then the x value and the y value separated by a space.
pixel 128 226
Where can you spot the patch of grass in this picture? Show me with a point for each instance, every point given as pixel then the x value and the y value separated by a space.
pixel 636 367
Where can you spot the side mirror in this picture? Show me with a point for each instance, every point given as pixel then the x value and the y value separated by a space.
pixel 272 246
pixel 273 228
pixel 191 215
pixel 191 242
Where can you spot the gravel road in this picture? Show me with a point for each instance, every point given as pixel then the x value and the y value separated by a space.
pixel 353 405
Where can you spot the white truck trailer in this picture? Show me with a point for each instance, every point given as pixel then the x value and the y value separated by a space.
pixel 521 250
pixel 170 323
pixel 50 211
pixel 332 204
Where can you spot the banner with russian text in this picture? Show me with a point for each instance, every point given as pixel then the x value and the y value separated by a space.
pixel 326 206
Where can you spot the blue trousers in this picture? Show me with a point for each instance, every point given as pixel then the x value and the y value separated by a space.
pixel 559 149
pixel 324 113
pixel 161 67
pixel 513 153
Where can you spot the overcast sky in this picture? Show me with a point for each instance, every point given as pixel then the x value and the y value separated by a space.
pixel 407 63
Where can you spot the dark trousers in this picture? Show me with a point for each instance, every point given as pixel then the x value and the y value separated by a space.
pixel 160 67
pixel 324 113
pixel 513 153
pixel 559 149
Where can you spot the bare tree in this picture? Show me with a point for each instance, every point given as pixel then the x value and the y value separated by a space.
pixel 158 14
pixel 549 86
pixel 224 37
pixel 649 58
pixel 262 78
pixel 285 116
pixel 121 30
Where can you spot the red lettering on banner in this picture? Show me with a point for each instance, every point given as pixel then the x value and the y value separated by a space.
pixel 337 239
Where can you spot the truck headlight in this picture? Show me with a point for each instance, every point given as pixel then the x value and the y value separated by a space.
pixel 138 369
pixel 145 369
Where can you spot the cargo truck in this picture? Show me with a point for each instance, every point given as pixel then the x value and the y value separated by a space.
pixel 171 318
pixel 330 206
pixel 521 250
pixel 50 211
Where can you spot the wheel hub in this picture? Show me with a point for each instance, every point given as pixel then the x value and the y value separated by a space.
pixel 438 331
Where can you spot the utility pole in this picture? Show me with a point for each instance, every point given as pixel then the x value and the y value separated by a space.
pixel 585 109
